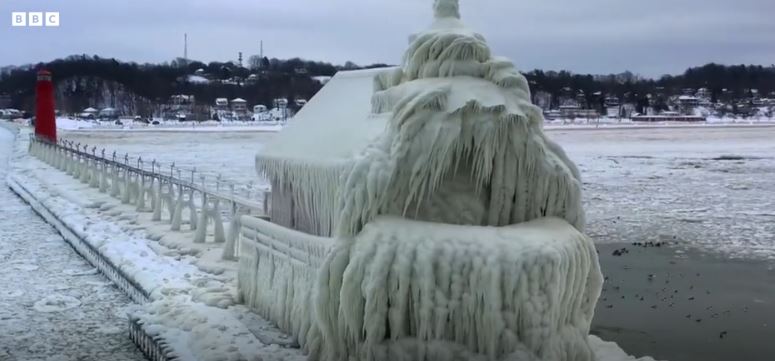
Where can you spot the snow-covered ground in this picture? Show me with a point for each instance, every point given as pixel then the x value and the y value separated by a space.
pixel 53 304
pixel 710 188
pixel 129 125
pixel 706 187
pixel 229 154
pixel 191 291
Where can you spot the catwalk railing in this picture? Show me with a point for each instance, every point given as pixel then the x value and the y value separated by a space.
pixel 170 193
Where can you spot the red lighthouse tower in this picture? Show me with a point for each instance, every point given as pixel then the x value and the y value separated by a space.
pixel 45 119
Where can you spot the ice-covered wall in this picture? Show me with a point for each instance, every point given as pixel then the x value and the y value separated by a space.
pixel 408 290
pixel 411 290
pixel 277 273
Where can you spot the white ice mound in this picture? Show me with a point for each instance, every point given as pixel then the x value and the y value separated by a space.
pixel 425 291
pixel 458 122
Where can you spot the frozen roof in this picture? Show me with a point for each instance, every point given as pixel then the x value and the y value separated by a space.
pixel 321 79
pixel 334 125
pixel 198 79
pixel 89 110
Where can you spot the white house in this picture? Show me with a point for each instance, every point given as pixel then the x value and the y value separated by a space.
pixel 239 105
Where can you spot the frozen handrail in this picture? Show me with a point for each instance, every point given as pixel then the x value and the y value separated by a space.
pixel 131 181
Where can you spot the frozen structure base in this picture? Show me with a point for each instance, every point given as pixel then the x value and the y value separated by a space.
pixel 413 290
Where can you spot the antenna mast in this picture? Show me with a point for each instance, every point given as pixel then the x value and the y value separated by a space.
pixel 185 47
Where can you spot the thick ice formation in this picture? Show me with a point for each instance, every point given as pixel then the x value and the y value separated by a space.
pixel 460 121
pixel 463 145
pixel 458 229
pixel 407 290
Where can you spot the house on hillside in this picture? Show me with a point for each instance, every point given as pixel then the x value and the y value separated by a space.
pixel 261 113
pixel 252 79
pixel 239 109
pixel 280 103
pixel 239 105
pixel 108 114
pixel 180 107
pixel 89 113
pixel 220 110
pixel 221 104
pixel 573 111
pixel 613 107
pixel 687 104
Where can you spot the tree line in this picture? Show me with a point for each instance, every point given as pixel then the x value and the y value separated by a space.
pixel 724 83
pixel 293 78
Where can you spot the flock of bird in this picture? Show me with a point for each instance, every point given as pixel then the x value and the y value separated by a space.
pixel 658 292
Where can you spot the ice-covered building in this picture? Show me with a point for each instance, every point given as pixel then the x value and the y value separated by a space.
pixel 420 212
pixel 687 104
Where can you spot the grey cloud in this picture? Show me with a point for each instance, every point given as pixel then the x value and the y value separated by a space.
pixel 598 36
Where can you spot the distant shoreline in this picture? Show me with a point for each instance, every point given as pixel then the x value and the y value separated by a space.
pixel 550 127
pixel 547 127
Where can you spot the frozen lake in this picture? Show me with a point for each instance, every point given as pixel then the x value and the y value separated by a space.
pixel 707 187
pixel 53 304
pixel 707 193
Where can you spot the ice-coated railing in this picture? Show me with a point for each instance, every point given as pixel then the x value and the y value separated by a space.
pixel 161 189
pixel 278 270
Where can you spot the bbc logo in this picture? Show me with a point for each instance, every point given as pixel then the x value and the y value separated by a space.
pixel 48 19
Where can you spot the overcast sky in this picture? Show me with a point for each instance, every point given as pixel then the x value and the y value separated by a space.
pixel 651 37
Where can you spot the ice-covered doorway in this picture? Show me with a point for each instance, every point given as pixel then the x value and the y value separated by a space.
pixel 53 304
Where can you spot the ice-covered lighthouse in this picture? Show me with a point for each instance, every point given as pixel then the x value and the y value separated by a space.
pixel 421 213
